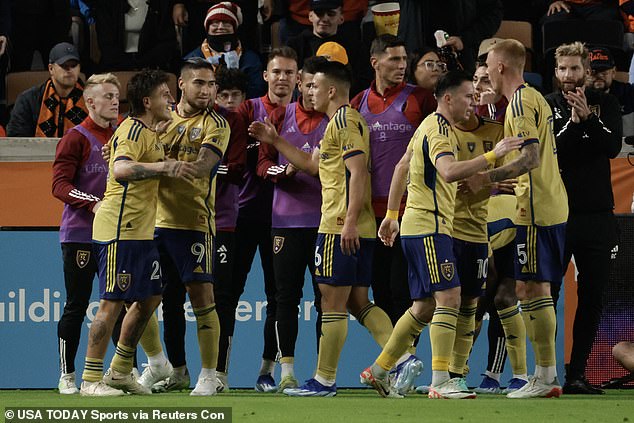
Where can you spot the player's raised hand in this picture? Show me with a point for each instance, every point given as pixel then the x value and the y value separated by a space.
pixel 105 152
pixel 487 97
pixel 263 131
pixel 349 239
pixel 507 145
pixel 161 127
pixel 474 183
pixel 388 230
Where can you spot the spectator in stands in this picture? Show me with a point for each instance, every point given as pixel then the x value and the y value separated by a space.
pixel 232 88
pixel 425 68
pixel 602 79
pixel 223 47
pixel 468 22
pixel 326 17
pixel 36 25
pixel 135 34
pixel 593 10
pixel 48 110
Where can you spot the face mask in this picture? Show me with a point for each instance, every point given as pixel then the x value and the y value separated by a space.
pixel 223 43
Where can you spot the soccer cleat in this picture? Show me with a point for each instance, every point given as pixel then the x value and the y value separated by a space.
pixel 455 388
pixel 126 382
pixel 175 382
pixel 206 386
pixel 98 389
pixel 514 385
pixel 381 385
pixel 537 388
pixel 405 374
pixel 287 381
pixel 265 383
pixel 223 382
pixel 154 374
pixel 67 385
pixel 488 386
pixel 422 389
pixel 312 388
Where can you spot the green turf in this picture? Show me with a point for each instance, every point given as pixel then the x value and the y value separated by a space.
pixel 361 405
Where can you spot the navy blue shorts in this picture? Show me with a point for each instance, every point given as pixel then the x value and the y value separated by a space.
pixel 185 255
pixel 431 264
pixel 473 261
pixel 539 253
pixel 332 267
pixel 129 270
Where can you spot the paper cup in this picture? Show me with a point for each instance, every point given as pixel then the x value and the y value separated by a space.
pixel 386 17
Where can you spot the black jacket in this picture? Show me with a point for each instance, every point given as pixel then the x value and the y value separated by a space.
pixel 584 150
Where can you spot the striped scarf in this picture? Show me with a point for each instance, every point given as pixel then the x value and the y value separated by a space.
pixel 58 114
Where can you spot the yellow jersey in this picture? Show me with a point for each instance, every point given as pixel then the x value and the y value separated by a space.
pixel 430 200
pixel 186 204
pixel 470 211
pixel 346 135
pixel 128 210
pixel 541 195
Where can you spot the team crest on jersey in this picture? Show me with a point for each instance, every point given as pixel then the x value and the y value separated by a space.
pixel 194 133
pixel 488 145
pixel 448 270
pixel 82 258
pixel 278 244
pixel 596 109
pixel 471 146
pixel 124 280
pixel 340 221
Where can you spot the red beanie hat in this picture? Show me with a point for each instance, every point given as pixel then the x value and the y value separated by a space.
pixel 224 11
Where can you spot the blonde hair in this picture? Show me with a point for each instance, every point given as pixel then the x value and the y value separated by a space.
pixel 577 49
pixel 512 53
pixel 101 78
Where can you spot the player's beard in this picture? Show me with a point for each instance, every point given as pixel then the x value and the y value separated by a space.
pixel 571 86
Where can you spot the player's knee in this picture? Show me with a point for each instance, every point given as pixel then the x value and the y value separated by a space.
pixel 505 298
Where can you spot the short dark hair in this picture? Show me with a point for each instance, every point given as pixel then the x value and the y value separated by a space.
pixel 284 51
pixel 230 79
pixel 414 58
pixel 312 63
pixel 383 42
pixel 451 80
pixel 143 85
pixel 336 71
pixel 195 63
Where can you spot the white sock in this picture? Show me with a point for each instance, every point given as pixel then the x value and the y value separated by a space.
pixel 439 376
pixel 287 370
pixel 68 374
pixel 523 376
pixel 492 375
pixel 403 358
pixel 158 359
pixel 324 381
pixel 267 367
pixel 207 373
pixel 547 374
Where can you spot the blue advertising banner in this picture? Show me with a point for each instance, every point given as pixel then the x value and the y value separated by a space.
pixel 32 300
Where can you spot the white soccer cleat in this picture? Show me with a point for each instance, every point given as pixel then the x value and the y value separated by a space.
pixel 223 382
pixel 154 374
pixel 206 386
pixel 99 389
pixel 405 374
pixel 126 382
pixel 176 382
pixel 537 388
pixel 67 385
pixel 455 388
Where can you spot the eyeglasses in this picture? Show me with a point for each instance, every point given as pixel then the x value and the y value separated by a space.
pixel 430 65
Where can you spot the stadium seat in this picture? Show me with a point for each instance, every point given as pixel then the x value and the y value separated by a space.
pixel 522 32
pixel 17 82
pixel 605 33
pixel 622 76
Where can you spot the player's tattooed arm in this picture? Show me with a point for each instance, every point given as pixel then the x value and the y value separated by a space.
pixel 127 170
pixel 527 161
pixel 206 160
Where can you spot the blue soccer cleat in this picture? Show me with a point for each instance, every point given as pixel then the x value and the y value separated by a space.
pixel 265 383
pixel 312 388
pixel 406 373
pixel 488 386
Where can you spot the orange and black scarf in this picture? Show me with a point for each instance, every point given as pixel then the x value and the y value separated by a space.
pixel 59 114
pixel 209 52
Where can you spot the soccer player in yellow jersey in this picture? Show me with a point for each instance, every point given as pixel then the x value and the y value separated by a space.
pixel 345 239
pixel 542 209
pixel 185 225
pixel 429 170
pixel 128 261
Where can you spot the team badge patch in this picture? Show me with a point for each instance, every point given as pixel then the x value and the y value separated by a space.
pixel 82 258
pixel 596 109
pixel 447 270
pixel 124 280
pixel 278 244
pixel 194 133
pixel 488 145
pixel 471 146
